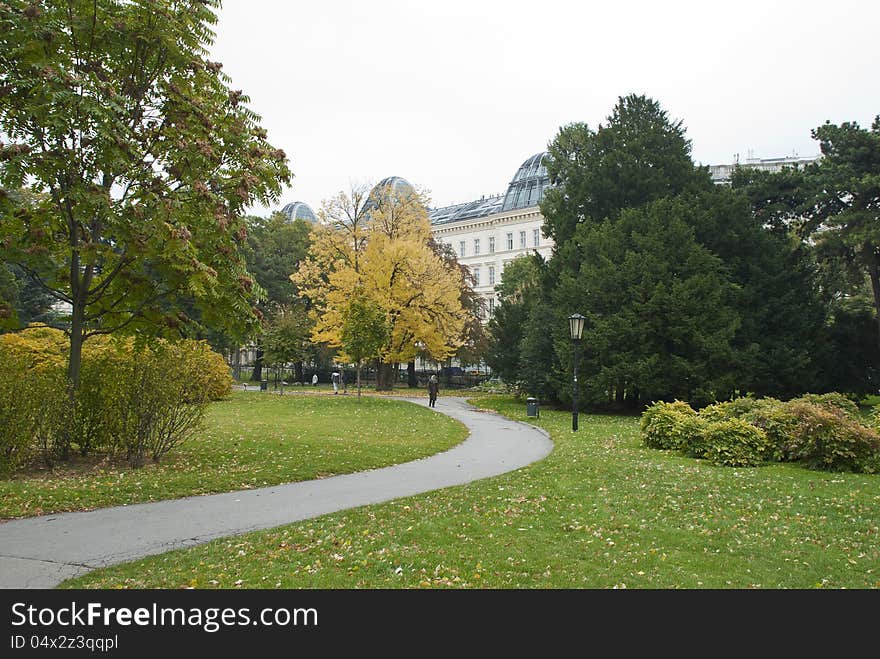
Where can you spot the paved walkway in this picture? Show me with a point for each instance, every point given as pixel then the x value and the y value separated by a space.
pixel 41 552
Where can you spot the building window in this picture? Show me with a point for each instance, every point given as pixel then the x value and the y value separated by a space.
pixel 536 237
pixel 461 248
pixel 477 276
pixel 491 305
pixel 509 241
pixel 522 239
pixel 491 275
pixel 476 245
pixel 491 244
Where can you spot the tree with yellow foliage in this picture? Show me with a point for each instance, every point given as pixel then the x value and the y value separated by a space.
pixel 376 247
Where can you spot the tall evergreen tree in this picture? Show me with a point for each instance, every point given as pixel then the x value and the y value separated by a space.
pixel 638 156
pixel 843 209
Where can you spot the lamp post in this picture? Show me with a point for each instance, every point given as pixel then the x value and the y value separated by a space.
pixel 576 325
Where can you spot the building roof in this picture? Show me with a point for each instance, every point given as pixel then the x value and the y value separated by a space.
pixel 299 210
pixel 479 208
pixel 526 189
pixel 528 184
pixel 396 184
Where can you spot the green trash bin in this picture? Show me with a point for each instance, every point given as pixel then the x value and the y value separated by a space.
pixel 264 385
pixel 532 407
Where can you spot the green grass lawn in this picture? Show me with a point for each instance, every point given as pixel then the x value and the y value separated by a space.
pixel 250 440
pixel 602 511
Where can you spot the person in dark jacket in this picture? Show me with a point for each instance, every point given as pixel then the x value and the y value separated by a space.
pixel 433 390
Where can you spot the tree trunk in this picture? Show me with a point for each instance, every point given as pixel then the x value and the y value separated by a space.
pixel 257 373
pixel 359 379
pixel 874 272
pixel 236 360
pixel 411 381
pixel 384 376
pixel 74 370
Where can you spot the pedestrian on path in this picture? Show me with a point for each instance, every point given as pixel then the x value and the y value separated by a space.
pixel 334 378
pixel 315 380
pixel 433 390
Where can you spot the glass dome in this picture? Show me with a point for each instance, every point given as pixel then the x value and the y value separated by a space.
pixel 396 184
pixel 299 210
pixel 528 184
pixel 399 186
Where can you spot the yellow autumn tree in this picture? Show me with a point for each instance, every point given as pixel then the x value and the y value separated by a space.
pixel 376 245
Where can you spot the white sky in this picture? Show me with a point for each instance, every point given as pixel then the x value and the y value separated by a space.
pixel 453 95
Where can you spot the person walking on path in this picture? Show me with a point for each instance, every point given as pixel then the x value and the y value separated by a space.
pixel 334 378
pixel 433 390
pixel 315 380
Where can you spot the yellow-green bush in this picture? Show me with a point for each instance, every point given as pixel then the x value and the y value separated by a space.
pixel 827 438
pixel 660 424
pixel 773 417
pixel 820 431
pixel 692 431
pixel 37 346
pixel 833 401
pixel 734 443
pixel 34 405
pixel 133 399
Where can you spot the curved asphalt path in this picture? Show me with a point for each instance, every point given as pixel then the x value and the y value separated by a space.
pixel 41 552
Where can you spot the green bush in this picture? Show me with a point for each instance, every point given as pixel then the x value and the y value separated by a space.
pixel 832 401
pixel 133 399
pixel 820 431
pixel 33 410
pixel 155 397
pixel 734 443
pixel 826 438
pixel 692 436
pixel 660 424
pixel 774 418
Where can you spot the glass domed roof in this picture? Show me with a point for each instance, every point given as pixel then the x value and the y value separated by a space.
pixel 394 184
pixel 299 210
pixel 528 184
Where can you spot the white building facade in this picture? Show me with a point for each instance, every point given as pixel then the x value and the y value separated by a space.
pixel 721 173
pixel 489 233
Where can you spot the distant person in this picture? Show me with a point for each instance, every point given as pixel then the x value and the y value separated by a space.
pixel 315 380
pixel 342 380
pixel 334 378
pixel 433 390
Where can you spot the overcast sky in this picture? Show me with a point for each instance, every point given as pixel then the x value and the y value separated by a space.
pixel 453 95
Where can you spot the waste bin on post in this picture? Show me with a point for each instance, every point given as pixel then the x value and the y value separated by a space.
pixel 264 385
pixel 532 407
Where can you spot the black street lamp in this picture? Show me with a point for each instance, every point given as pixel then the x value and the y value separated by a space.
pixel 576 325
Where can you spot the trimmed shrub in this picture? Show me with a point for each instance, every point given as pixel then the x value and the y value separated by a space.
pixel 826 438
pixel 33 410
pixel 773 417
pixel 741 407
pixel 155 397
pixel 40 347
pixel 716 412
pixel 833 402
pixel 692 436
pixel 207 374
pixel 133 399
pixel 660 424
pixel 734 443
pixel 820 431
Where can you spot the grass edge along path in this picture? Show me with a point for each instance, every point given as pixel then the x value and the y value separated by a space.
pixel 602 511
pixel 250 440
